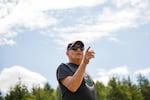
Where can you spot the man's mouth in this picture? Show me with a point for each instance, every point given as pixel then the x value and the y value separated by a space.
pixel 79 54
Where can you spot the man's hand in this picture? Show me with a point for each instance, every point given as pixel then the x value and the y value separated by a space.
pixel 88 55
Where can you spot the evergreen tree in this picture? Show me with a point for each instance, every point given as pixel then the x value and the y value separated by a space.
pixel 115 93
pixel 115 90
pixel 58 94
pixel 46 93
pixel 19 92
pixel 49 91
pixel 101 91
pixel 1 97
pixel 38 94
pixel 131 91
pixel 123 90
pixel 144 86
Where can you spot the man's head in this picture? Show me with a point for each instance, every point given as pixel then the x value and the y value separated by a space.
pixel 75 51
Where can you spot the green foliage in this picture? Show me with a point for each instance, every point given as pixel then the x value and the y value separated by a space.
pixel 123 90
pixel 46 93
pixel 57 94
pixel 101 90
pixel 115 90
pixel 1 97
pixel 19 92
pixel 130 90
pixel 144 86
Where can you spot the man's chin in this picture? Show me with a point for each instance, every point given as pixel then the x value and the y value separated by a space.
pixel 79 57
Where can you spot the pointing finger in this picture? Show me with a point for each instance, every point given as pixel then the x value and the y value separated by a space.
pixel 88 49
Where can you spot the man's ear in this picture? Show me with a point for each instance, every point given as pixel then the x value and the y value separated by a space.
pixel 67 53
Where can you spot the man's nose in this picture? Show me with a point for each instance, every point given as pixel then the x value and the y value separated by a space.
pixel 78 49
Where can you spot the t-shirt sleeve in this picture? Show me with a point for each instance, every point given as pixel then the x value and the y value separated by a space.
pixel 63 71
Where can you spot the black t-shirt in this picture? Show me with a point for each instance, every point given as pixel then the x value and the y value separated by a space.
pixel 86 91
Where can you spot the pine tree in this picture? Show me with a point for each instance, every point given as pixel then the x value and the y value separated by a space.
pixel 101 91
pixel 1 97
pixel 131 90
pixel 19 92
pixel 115 92
pixel 57 94
pixel 144 86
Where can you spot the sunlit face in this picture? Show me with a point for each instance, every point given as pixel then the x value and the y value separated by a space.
pixel 75 55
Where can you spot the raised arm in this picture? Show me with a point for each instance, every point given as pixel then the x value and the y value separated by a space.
pixel 72 83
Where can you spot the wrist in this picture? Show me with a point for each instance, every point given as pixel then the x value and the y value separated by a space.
pixel 84 62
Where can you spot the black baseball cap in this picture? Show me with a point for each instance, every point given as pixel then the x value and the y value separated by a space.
pixel 78 43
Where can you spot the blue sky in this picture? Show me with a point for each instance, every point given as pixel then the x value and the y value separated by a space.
pixel 34 35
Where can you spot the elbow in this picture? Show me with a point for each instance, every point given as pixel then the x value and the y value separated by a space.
pixel 72 88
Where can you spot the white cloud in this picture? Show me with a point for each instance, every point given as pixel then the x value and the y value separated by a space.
pixel 106 22
pixel 104 75
pixel 4 41
pixel 7 39
pixel 32 14
pixel 63 4
pixel 10 76
pixel 20 13
pixel 123 70
pixel 145 72
pixel 119 19
pixel 113 39
pixel 132 3
pixel 85 33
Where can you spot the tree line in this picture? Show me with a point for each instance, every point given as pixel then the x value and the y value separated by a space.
pixel 116 89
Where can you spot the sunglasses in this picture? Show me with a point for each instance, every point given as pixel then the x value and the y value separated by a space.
pixel 75 48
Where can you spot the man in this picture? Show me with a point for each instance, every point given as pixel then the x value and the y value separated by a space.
pixel 74 82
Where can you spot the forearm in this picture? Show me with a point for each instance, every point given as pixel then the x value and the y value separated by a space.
pixel 77 78
pixel 74 82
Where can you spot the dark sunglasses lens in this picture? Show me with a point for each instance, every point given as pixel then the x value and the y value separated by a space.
pixel 82 49
pixel 76 48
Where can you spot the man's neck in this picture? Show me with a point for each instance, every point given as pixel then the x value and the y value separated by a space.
pixel 76 62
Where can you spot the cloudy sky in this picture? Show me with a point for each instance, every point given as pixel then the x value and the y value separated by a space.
pixel 34 35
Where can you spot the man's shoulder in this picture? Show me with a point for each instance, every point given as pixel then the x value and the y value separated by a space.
pixel 65 66
pixel 62 66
